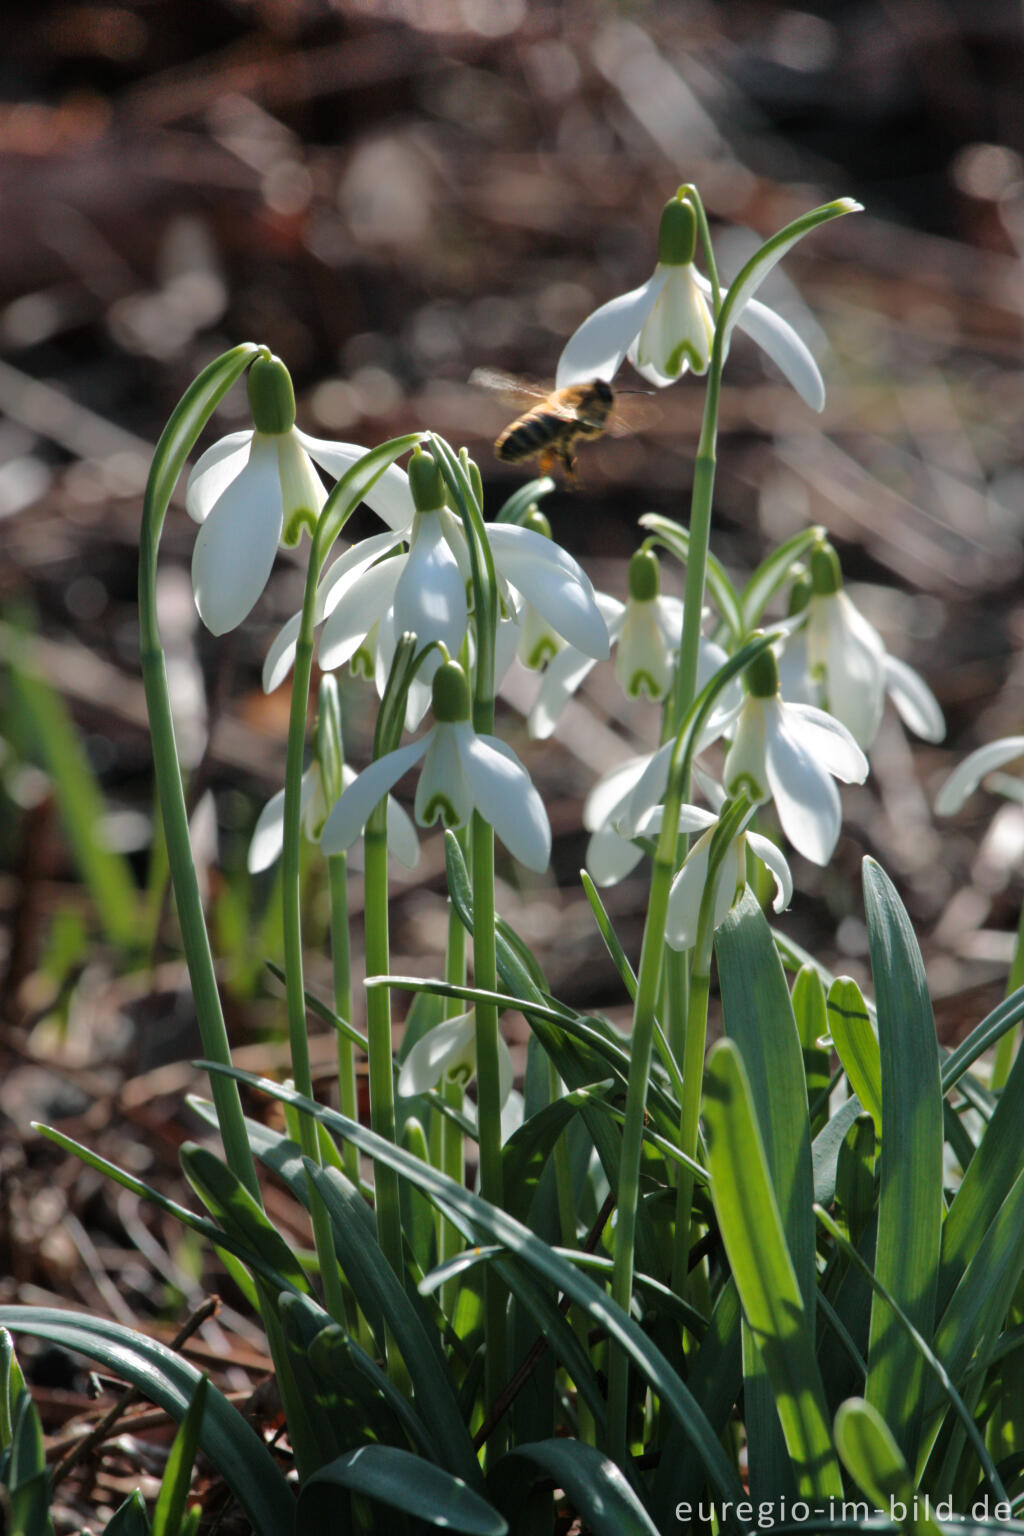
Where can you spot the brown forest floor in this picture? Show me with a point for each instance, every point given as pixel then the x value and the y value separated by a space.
pixel 390 193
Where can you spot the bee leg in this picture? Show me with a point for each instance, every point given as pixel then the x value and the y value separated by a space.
pixel 546 461
pixel 567 459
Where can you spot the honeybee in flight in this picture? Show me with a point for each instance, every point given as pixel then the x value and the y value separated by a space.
pixel 550 430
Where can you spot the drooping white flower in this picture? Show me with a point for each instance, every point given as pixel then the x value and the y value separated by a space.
pixel 252 490
pixel 449 1051
pixel 688 886
pixel 966 777
pixel 849 671
pixel 665 326
pixel 791 753
pixel 462 771
pixel 267 840
pixel 424 591
pixel 647 630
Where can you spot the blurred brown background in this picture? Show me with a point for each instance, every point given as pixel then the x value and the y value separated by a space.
pixel 391 193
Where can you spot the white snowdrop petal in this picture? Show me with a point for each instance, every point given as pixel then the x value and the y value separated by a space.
pixel 444 791
pixel 607 796
pixel 348 568
pixel 596 349
pixel 505 796
pixel 774 861
pixel 678 332
pixel 767 261
pixel 685 898
pixel 402 839
pixel 805 797
pixel 236 546
pixel 650 788
pixel 917 705
pixel 280 657
pixel 828 740
pixel 966 777
pixel 352 810
pixel 268 835
pixel 554 584
pixel 359 608
pixel 787 350
pixel 561 679
pixel 430 596
pixel 214 471
pixel 448 1045
pixel 610 858
pixel 390 496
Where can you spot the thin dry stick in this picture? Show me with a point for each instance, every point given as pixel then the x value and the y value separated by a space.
pixel 101 1430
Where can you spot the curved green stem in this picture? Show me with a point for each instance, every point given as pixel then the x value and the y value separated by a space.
pixel 176 442
pixel 378 1029
pixel 341 970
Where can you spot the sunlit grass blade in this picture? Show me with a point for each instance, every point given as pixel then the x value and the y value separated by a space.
pixel 400 1481
pixel 130 1518
pixel 773 1306
pixel 910 1207
pixel 495 1225
pixel 104 872
pixel 596 1488
pixel 227 1199
pixel 168 1380
pixel 169 1510
pixel 874 1460
pixel 991 1029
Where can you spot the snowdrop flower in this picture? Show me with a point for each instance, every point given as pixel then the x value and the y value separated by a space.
pixel 254 490
pixel 268 834
pixel 848 668
pixel 791 753
pixel 665 326
pixel 966 777
pixel 449 1051
pixel 462 772
pixel 688 886
pixel 424 591
pixel 647 629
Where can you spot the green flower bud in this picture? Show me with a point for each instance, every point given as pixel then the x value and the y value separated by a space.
pixel 762 676
pixel 644 576
pixel 799 595
pixel 826 572
pixel 677 234
pixel 537 522
pixel 425 482
pixel 475 478
pixel 271 396
pixel 450 693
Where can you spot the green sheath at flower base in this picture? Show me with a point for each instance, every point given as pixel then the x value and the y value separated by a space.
pixel 677 234
pixel 425 482
pixel 536 521
pixel 644 576
pixel 271 396
pixel 826 572
pixel 762 677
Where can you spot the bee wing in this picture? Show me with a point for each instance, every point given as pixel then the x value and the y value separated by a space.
pixel 633 413
pixel 510 386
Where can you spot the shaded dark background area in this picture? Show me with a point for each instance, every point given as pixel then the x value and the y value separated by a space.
pixel 391 193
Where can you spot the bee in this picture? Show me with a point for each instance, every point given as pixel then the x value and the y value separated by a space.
pixel 550 430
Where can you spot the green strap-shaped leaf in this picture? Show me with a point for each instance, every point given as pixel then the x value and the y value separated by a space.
pixel 12 1385
pixel 168 1380
pixel 398 1480
pixel 227 1199
pixel 596 1488
pixel 169 1510
pixel 497 1226
pixel 991 1174
pixel 992 1028
pixel 758 1016
pixel 874 1460
pixel 856 1044
pixel 368 1272
pixel 773 1306
pixel 910 1162
pixel 519 503
pixel 809 1010
pixel 130 1518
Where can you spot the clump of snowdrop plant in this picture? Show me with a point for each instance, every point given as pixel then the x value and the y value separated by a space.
pixel 673 1291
